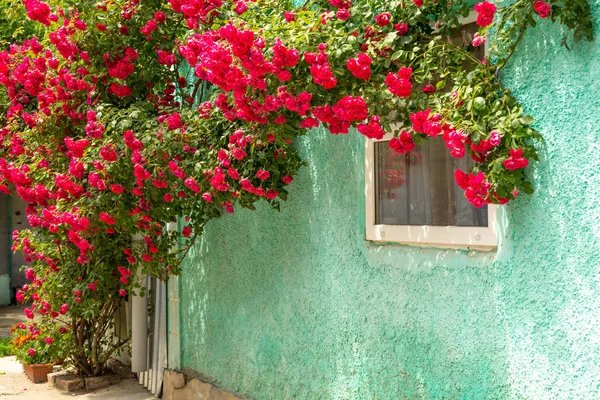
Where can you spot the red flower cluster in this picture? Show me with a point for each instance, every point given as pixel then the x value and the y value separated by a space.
pixel 400 84
pixel 486 12
pixel 516 160
pixel 360 66
pixel 481 149
pixel 319 68
pixel 403 143
pixel 93 129
pixel 38 11
pixel 424 122
pixel 107 218
pixel 121 67
pixel 475 186
pixel 120 90
pixel 343 8
pixel 166 58
pixel 283 58
pixel 195 11
pixel 455 141
pixel 234 61
pixel 331 122
pixel 351 109
pixel 372 130
pixel 347 110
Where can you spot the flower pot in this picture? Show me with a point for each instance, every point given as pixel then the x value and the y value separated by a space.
pixel 38 373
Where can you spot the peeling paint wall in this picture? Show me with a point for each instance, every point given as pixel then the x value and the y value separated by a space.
pixel 297 305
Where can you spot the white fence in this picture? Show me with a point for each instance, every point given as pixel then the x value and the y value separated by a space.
pixel 152 378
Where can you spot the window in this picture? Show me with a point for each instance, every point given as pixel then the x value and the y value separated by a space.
pixel 413 198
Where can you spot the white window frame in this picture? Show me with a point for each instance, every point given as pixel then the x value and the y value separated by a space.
pixel 461 237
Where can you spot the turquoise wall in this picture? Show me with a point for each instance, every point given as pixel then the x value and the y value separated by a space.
pixel 297 305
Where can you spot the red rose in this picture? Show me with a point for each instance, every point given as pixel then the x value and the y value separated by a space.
pixel 174 121
pixel 516 160
pixel 542 8
pixel 383 19
pixel 429 89
pixel 401 28
pixel 120 90
pixel 402 144
pixel 107 219
pixel 289 16
pixel 160 17
pixel 486 13
pixel 263 175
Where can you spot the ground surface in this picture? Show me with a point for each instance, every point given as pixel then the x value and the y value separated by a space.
pixel 9 317
pixel 14 384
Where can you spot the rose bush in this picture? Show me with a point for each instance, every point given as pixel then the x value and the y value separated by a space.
pixel 125 115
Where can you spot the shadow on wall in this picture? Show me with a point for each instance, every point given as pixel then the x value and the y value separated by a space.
pixel 297 304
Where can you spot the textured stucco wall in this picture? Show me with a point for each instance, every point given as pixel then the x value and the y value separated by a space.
pixel 296 305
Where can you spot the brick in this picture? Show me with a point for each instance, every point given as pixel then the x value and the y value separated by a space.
pixel 98 382
pixel 69 383
pixel 53 376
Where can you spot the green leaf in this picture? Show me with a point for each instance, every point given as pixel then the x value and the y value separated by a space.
pixel 125 124
pixel 479 103
pixel 389 39
pixel 527 120
pixel 527 188
pixel 501 192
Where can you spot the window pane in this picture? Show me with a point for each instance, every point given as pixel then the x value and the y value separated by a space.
pixel 419 188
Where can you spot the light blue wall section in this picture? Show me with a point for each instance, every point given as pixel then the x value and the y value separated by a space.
pixel 297 305
pixel 4 290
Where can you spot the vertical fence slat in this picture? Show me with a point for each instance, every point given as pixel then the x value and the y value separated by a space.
pixel 162 339
pixel 149 344
pixel 155 336
pixel 152 378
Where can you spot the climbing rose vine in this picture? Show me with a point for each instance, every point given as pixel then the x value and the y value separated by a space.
pixel 125 115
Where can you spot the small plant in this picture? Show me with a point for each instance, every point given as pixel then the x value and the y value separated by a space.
pixel 39 344
pixel 5 347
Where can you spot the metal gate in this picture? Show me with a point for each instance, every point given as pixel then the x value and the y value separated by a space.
pixel 152 378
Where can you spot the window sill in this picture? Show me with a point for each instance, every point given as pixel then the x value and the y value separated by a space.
pixel 446 237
